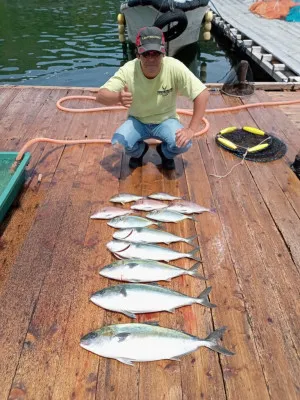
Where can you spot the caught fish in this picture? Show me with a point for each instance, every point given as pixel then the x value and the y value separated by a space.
pixel 163 196
pixel 124 198
pixel 187 207
pixel 147 342
pixel 147 251
pixel 148 235
pixel 110 212
pixel 138 298
pixel 136 270
pixel 148 205
pixel 130 221
pixel 165 215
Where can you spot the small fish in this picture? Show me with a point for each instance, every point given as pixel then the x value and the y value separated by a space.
pixel 187 207
pixel 148 205
pixel 124 198
pixel 110 212
pixel 138 298
pixel 147 342
pixel 148 235
pixel 163 196
pixel 165 215
pixel 130 221
pixel 147 251
pixel 136 270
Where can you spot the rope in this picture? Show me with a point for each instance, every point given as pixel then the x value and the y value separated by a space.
pixel 239 163
pixel 229 172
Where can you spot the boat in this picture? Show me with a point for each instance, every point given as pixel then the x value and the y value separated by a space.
pixel 179 20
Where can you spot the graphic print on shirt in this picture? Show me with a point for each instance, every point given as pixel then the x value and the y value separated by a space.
pixel 164 91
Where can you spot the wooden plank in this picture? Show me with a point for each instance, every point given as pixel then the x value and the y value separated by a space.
pixel 54 124
pixel 7 95
pixel 92 90
pixel 18 223
pixel 201 371
pixel 264 299
pixel 201 375
pixel 287 197
pixel 61 272
pixel 19 116
pixel 22 288
pixel 78 370
pixel 274 121
pixel 275 36
pixel 249 253
pixel 14 230
pixel 160 379
pixel 240 371
pixel 47 326
pixel 118 380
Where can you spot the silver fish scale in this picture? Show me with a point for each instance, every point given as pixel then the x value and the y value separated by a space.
pixel 110 212
pixel 136 298
pixel 147 251
pixel 142 342
pixel 125 198
pixel 148 205
pixel 163 196
pixel 188 208
pixel 165 215
pixel 137 270
pixel 148 235
pixel 129 221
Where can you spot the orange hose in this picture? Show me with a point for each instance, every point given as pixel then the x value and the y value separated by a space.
pixel 121 108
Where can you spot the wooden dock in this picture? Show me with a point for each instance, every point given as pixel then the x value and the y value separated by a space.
pixel 272 44
pixel 51 252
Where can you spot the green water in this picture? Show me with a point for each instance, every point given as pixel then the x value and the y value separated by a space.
pixel 75 43
pixel 5 174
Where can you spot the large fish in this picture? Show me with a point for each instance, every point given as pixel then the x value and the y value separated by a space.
pixel 124 198
pixel 147 251
pixel 148 235
pixel 187 207
pixel 136 270
pixel 140 298
pixel 110 212
pixel 130 221
pixel 163 196
pixel 165 215
pixel 148 205
pixel 147 342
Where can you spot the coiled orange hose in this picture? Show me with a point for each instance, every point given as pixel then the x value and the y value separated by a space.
pixel 121 108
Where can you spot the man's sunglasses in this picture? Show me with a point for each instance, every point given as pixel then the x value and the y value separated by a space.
pixel 151 53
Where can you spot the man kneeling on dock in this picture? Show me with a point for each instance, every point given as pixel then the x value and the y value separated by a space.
pixel 148 87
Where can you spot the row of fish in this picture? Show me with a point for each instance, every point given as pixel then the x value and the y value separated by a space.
pixel 135 243
pixel 145 204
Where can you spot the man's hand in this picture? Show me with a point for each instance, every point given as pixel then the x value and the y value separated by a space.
pixel 125 97
pixel 183 136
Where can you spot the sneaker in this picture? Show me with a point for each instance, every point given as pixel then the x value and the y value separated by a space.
pixel 167 163
pixel 135 162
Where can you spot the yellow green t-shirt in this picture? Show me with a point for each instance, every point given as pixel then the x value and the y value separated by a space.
pixel 154 100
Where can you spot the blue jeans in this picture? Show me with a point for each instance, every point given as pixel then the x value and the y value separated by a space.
pixel 132 133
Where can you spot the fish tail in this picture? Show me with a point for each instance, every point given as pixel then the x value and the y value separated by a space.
pixel 212 342
pixel 193 271
pixel 191 254
pixel 203 298
pixel 191 238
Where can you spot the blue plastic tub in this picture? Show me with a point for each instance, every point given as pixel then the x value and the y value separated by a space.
pixel 10 183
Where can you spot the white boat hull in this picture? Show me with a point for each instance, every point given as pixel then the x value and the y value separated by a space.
pixel 140 16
